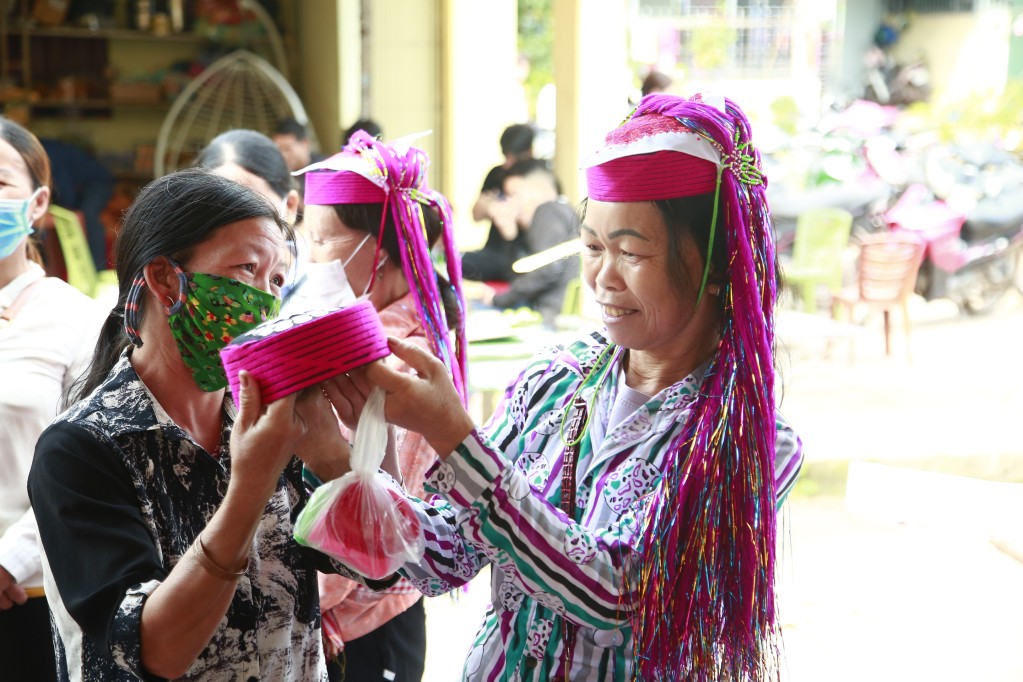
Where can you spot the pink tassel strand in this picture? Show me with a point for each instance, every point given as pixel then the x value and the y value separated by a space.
pixel 407 194
pixel 705 587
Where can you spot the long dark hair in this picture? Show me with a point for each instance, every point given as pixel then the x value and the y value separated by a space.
pixel 36 160
pixel 253 151
pixel 170 217
pixel 366 218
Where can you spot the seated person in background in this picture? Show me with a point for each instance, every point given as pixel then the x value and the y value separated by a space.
pixel 82 183
pixel 292 138
pixel 371 127
pixel 543 220
pixel 505 243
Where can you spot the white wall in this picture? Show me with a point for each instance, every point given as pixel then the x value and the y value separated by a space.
pixel 480 51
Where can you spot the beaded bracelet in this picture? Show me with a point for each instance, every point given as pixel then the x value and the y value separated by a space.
pixel 200 554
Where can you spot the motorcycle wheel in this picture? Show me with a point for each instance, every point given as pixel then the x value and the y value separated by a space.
pixel 982 287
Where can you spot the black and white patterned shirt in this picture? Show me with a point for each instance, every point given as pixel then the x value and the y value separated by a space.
pixel 120 493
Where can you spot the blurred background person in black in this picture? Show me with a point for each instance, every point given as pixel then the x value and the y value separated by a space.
pixel 505 243
pixel 82 183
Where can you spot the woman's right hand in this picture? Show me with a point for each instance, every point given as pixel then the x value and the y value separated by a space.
pixel 425 402
pixel 264 437
pixel 322 449
pixel 11 593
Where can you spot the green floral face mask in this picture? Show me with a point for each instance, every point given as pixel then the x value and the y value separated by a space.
pixel 211 311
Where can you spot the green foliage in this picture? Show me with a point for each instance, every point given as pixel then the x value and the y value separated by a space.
pixel 712 44
pixel 785 114
pixel 997 118
pixel 536 43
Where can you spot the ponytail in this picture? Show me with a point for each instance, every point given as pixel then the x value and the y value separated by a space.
pixel 112 342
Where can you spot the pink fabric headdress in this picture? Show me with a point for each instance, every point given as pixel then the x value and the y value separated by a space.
pixel 705 592
pixel 368 171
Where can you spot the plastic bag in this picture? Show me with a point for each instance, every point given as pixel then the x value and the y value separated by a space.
pixel 362 519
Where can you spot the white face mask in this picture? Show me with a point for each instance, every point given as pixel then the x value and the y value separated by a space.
pixel 323 286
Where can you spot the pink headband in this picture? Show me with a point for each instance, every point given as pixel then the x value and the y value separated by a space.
pixel 649 177
pixel 323 188
pixel 650 157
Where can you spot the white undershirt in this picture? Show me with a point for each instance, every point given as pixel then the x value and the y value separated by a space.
pixel 49 340
pixel 626 401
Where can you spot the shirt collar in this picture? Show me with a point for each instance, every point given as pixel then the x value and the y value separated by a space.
pixel 124 404
pixel 10 292
pixel 400 318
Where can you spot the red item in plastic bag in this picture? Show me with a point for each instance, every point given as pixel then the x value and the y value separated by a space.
pixel 368 546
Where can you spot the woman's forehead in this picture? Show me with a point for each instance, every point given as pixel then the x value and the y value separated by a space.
pixel 259 233
pixel 611 217
pixel 323 220
pixel 12 164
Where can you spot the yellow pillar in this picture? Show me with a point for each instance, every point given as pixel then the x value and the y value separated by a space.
pixel 350 66
pixel 404 69
pixel 319 67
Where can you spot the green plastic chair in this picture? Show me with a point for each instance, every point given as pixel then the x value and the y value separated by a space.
pixel 821 238
pixel 81 270
pixel 572 304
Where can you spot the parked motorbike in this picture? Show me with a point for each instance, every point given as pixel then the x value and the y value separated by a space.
pixel 970 216
pixel 827 168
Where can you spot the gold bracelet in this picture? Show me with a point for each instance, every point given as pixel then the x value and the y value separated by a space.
pixel 200 554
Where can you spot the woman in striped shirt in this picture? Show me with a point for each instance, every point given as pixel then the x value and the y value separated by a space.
pixel 624 493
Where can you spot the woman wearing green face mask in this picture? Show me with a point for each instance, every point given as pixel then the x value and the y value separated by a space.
pixel 166 515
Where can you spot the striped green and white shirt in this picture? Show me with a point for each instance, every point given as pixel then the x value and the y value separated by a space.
pixel 498 500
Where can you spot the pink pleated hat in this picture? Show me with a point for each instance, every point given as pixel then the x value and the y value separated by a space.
pixel 288 354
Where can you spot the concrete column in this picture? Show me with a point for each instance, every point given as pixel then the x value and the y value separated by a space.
pixel 478 83
pixel 593 81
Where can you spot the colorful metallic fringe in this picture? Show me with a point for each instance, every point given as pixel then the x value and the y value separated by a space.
pixel 404 173
pixel 706 607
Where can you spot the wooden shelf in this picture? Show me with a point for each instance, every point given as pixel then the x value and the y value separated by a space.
pixel 219 35
pixel 107 34
pixel 98 104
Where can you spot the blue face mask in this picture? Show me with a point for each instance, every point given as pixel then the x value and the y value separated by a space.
pixel 14 222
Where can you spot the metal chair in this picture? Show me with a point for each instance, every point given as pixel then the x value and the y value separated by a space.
pixel 887 268
pixel 821 238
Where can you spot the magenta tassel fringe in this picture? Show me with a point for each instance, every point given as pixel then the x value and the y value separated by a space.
pixel 407 194
pixel 705 594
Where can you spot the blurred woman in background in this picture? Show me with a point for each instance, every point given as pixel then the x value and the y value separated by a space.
pixel 252 159
pixel 47 329
pixel 368 214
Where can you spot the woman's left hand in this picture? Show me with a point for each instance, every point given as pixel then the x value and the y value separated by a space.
pixel 322 448
pixel 424 401
pixel 348 393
